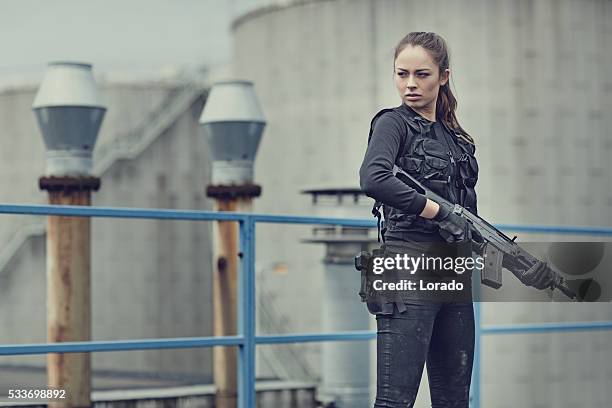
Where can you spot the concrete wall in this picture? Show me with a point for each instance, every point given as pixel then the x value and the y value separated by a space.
pixel 156 273
pixel 532 90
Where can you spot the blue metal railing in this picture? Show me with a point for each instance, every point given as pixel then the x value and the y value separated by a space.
pixel 246 340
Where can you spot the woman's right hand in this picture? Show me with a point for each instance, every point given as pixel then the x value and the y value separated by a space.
pixel 453 227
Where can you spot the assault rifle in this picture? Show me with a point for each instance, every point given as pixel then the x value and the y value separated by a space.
pixel 497 249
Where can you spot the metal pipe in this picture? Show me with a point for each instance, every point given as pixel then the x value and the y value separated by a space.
pixel 225 297
pixel 232 122
pixel 69 112
pixel 69 289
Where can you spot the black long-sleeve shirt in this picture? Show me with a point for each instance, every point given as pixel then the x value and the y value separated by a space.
pixel 376 172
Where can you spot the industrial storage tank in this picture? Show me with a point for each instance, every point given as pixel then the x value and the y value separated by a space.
pixel 325 67
pixel 532 92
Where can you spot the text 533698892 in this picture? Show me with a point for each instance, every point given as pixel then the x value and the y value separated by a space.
pixel 36 394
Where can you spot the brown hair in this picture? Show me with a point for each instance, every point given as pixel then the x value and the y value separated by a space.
pixel 446 103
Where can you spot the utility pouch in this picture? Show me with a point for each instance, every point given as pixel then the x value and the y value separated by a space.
pixel 362 260
pixel 364 264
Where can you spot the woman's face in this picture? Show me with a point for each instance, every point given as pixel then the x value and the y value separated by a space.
pixel 417 79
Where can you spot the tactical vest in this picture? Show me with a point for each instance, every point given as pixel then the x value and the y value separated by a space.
pixel 425 155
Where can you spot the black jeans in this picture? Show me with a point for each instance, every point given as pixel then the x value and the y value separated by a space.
pixel 441 334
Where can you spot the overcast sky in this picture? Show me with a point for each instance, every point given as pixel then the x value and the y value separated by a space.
pixel 133 37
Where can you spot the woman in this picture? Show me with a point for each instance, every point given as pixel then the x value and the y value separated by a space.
pixel 423 137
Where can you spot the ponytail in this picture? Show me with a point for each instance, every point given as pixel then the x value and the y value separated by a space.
pixel 446 105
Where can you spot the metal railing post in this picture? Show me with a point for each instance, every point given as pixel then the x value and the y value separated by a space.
pixel 475 397
pixel 246 315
